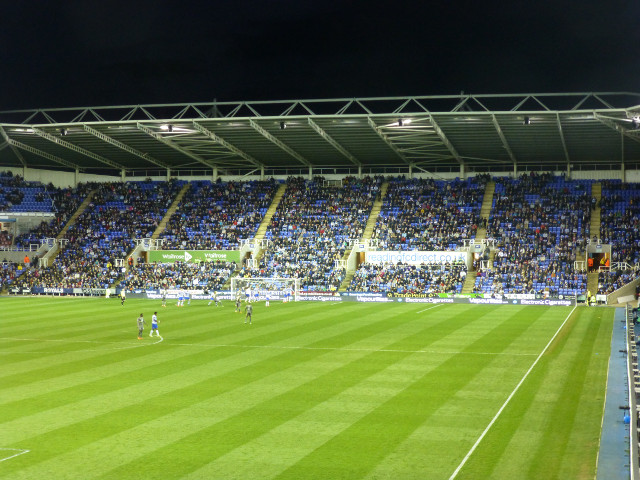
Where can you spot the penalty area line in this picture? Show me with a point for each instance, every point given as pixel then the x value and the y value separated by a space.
pixel 439 305
pixel 21 451
pixel 506 402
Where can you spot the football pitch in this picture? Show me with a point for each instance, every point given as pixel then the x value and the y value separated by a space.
pixel 307 391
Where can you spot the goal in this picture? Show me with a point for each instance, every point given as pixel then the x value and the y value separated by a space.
pixel 274 288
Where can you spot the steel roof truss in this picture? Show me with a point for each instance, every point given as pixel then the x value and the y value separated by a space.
pixel 564 144
pixel 13 147
pixel 445 140
pixel 221 141
pixel 333 143
pixel 503 139
pixel 76 148
pixel 173 145
pixel 124 147
pixel 632 134
pixel 280 144
pixel 48 156
pixel 386 140
pixel 416 141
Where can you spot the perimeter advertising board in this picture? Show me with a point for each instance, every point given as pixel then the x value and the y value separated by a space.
pixel 415 257
pixel 193 256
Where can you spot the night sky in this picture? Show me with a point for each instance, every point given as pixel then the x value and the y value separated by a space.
pixel 90 53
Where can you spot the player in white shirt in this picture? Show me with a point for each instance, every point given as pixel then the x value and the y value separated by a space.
pixel 154 325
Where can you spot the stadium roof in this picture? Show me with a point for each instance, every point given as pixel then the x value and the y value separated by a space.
pixel 428 133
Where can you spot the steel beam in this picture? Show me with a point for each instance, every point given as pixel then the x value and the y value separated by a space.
pixel 615 125
pixel 564 144
pixel 173 145
pixel 386 140
pixel 333 143
pixel 445 140
pixel 280 144
pixel 77 149
pixel 123 146
pixel 225 144
pixel 40 153
pixel 13 147
pixel 505 144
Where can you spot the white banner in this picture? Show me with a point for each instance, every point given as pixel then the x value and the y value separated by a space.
pixel 415 257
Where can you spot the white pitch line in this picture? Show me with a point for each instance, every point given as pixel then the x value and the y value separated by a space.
pixel 20 451
pixel 280 347
pixel 78 341
pixel 439 305
pixel 506 402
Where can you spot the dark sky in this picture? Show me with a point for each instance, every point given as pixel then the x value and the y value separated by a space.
pixel 74 53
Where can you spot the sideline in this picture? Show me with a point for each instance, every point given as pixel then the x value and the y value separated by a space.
pixel 21 451
pixel 506 402
pixel 439 305
pixel 278 347
pixel 138 345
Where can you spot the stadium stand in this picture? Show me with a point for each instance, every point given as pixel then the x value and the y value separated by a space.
pixel 423 214
pixel 216 216
pixel 540 223
pixel 311 229
pixel 208 276
pixel 105 232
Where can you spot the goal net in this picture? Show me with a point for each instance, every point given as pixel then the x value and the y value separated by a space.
pixel 258 288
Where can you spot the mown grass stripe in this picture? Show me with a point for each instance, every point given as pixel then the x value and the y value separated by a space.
pixel 402 415
pixel 225 434
pixel 282 446
pixel 508 450
pixel 211 385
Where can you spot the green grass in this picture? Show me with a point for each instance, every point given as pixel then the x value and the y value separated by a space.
pixel 309 391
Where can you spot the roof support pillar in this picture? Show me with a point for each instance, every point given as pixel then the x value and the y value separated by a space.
pixel 214 176
pixel 310 173
pixel 568 171
pixel 515 170
pixel 623 173
pixel 359 171
pixel 410 171
pixel 76 177
pixel 122 175
pixel 168 174
pixel 462 171
pixel 262 172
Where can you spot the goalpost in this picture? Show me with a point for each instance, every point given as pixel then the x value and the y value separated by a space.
pixel 274 288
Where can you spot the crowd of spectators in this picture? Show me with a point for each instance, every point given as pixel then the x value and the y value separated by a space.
pixel 105 232
pixel 409 279
pixel 610 281
pixel 6 239
pixel 426 214
pixel 313 226
pixel 539 222
pixel 65 203
pixel 620 220
pixel 216 216
pixel 205 275
pixel 9 272
pixel 18 195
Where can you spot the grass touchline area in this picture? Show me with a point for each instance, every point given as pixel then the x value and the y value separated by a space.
pixel 356 391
